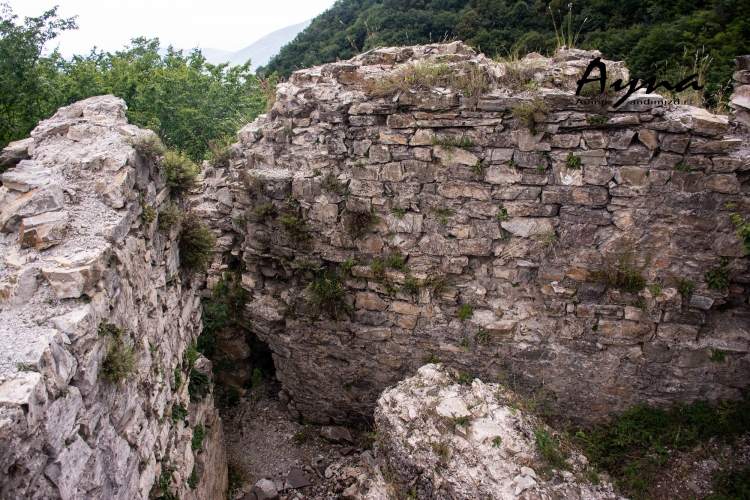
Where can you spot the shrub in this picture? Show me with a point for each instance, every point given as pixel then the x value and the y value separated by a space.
pixel 358 223
pixel 180 171
pixel 264 212
pixel 464 378
pixel 196 243
pixel 179 412
pixel 530 113
pixel 497 441
pixel 198 386
pixel 655 289
pixel 198 434
pixel 169 216
pixel 193 478
pixel 221 152
pixel 717 355
pixel 411 286
pixel 177 378
pixel 717 278
pixel 573 162
pixel 549 449
pixel 685 287
pixel 622 272
pixel 147 144
pixel 462 421
pixel 743 231
pixel 331 184
pixel 191 356
pixel 294 226
pixel 327 294
pixel 596 119
pixel 398 212
pixel 465 311
pixel 396 261
pixel 120 360
pixel 430 357
pixel 148 214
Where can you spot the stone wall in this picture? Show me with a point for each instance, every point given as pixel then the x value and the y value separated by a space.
pixel 76 252
pixel 505 223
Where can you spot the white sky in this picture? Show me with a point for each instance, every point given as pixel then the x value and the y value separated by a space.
pixel 218 24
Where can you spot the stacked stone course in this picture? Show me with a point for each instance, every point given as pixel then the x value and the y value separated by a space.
pixel 519 223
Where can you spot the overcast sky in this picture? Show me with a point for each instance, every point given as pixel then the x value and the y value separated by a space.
pixel 218 24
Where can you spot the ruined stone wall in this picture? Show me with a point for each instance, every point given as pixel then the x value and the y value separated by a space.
pixel 505 223
pixel 76 252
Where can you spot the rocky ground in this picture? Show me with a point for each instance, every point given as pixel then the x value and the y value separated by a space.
pixel 268 452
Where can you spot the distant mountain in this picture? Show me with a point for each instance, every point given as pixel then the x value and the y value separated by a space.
pixel 260 52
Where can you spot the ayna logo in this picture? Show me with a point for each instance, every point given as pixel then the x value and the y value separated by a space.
pixel 633 85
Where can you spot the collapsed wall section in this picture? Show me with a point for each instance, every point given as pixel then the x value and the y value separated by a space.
pixel 578 250
pixel 98 395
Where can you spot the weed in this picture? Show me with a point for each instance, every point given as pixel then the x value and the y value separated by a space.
pixel 531 113
pixel 120 360
pixel 462 421
pixel 196 243
pixel 743 231
pixel 347 265
pixel 327 294
pixel 177 378
pixel 290 201
pixel 717 278
pixel 622 272
pixel 731 485
pixel 497 441
pixel 191 356
pixel 303 435
pixel 253 182
pixel 169 216
pixel 563 38
pixel 465 311
pixel 482 336
pixel 359 164
pixel 179 412
pixel 411 286
pixel 148 214
pixel 358 223
pixel 396 261
pixel 263 213
pixel 288 131
pixel 450 143
pixel 180 172
pixel 717 355
pixel 596 119
pixel 198 434
pixel 235 478
pixel 147 144
pixel 317 172
pixel 682 167
pixel 221 152
pixel 192 480
pixel 198 387
pixel 430 357
pixel 573 162
pixel 464 378
pixel 24 367
pixel 479 169
pixel 294 226
pixel 655 289
pixel 502 213
pixel 398 212
pixel 512 164
pixel 240 221
pixel 685 287
pixel 331 184
pixel 464 342
pixel 549 449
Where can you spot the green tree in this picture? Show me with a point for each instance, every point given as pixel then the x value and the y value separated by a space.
pixel 27 78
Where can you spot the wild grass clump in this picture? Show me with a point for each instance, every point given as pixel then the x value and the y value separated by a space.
pixel 148 214
pixel 180 172
pixel 327 294
pixel 263 213
pixel 199 433
pixel 294 225
pixel 622 271
pixel 196 243
pixel 596 119
pixel 450 143
pixel 332 184
pixel 573 162
pixel 221 152
pixel 169 216
pixel 635 449
pixel 359 222
pixel 465 311
pixel 147 144
pixel 531 113
pixel 120 360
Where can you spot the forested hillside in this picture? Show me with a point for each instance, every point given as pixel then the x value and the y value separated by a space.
pixel 191 104
pixel 645 33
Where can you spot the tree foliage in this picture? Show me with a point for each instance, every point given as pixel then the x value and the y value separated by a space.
pixel 644 33
pixel 185 100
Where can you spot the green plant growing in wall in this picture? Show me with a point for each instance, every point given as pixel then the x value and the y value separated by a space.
pixel 482 336
pixel 685 287
pixel 327 294
pixel 199 433
pixel 596 119
pixel 398 212
pixel 265 212
pixel 683 167
pixel 179 412
pixel 177 378
pixel 464 342
pixel 465 311
pixel 464 378
pixel 655 289
pixel 541 169
pixel 193 478
pixel 430 357
pixel 148 144
pixel 332 184
pixel 717 355
pixel 717 278
pixel 294 226
pixel 148 214
pixel 198 387
pixel 359 222
pixel 531 113
pixel 120 360
pixel 502 213
pixel 497 441
pixel 180 172
pixel 169 216
pixel 196 243
pixel 512 164
pixel 479 169
pixel 622 271
pixel 743 231
pixel 573 162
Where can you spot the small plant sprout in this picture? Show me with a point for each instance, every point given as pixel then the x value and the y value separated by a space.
pixel 497 441
pixel 655 289
pixel 502 213
pixel 465 311
pixel 398 212
pixel 482 336
pixel 596 119
pixel 464 343
pixel 685 287
pixel 573 162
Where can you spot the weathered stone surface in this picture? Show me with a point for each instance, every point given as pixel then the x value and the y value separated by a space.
pixel 527 227
pixel 26 176
pixel 336 434
pixel 371 301
pixel 715 147
pixel 591 196
pixel 37 201
pixel 454 157
pixel 43 231
pixel 708 124
pixel 15 151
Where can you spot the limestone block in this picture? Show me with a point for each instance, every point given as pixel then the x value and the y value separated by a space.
pixel 392 172
pixel 706 123
pixel 409 223
pixel 650 138
pixel 631 157
pixel 79 325
pixel 566 141
pixel 401 121
pixel 67 470
pixel 499 155
pixel 390 137
pixel 598 175
pixel 666 161
pixel 370 301
pixel 621 139
pixel 502 174
pixel 265 307
pixel 721 183
pixel 26 391
pixel 621 332
pixel 587 195
pixel 48 355
pixel 421 137
pixel 373 334
pixel 565 176
pixel 117 192
pixel 455 156
pixel 325 213
pixel 18 288
pixel 464 190
pixel 27 175
pixel 677 332
pixel 380 153
pixel 71 282
pixel 43 231
pixel 526 140
pixel 676 143
pixel 15 151
pixel 715 147
pixel 60 419
pixel 47 198
pixel 701 302
pixel 632 175
pixel 588 158
pixel 370 243
pixel 595 139
pixel 475 246
pixel 527 226
pixel 725 164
